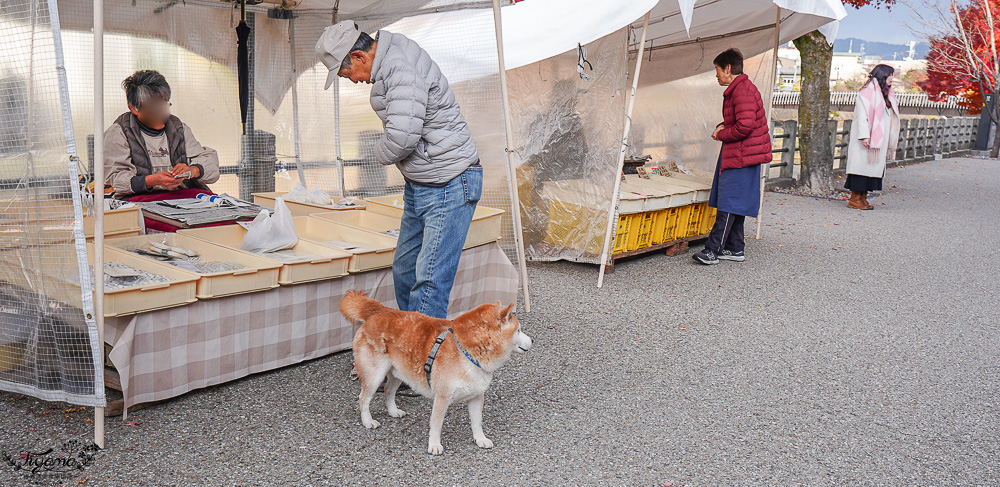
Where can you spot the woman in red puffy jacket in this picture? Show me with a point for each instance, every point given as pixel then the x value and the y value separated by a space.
pixel 746 144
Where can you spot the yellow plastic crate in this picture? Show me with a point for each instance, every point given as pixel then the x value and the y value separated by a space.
pixel 626 225
pixel 659 224
pixel 670 226
pixel 641 237
pixel 708 220
pixel 683 221
pixel 694 222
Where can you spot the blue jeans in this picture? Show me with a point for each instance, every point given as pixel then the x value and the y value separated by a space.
pixel 431 236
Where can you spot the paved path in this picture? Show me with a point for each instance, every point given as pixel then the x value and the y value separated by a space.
pixel 853 347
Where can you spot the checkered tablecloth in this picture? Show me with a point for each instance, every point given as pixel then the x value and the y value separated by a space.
pixel 166 353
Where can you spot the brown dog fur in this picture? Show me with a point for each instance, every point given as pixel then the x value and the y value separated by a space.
pixel 394 344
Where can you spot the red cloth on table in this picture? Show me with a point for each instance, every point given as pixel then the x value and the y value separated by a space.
pixel 170 195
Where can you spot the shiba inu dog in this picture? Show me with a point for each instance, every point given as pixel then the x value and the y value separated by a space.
pixel 448 361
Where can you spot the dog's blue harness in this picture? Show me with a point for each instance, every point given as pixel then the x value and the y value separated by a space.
pixel 437 345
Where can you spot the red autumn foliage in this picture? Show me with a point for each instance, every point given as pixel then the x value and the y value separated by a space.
pixel 877 3
pixel 949 72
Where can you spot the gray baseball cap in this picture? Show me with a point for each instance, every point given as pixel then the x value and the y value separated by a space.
pixel 335 44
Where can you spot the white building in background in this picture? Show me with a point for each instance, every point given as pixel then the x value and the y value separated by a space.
pixel 846 66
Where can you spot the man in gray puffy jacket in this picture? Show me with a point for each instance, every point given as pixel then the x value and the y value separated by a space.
pixel 427 138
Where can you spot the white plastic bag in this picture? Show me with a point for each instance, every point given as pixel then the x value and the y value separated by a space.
pixel 271 233
pixel 300 194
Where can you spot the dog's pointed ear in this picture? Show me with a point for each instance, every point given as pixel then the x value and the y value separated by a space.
pixel 506 312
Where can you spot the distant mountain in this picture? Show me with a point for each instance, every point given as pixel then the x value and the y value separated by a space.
pixel 883 49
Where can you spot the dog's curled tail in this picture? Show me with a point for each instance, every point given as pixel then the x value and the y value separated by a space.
pixel 357 307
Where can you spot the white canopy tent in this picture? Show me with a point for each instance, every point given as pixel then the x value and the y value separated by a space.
pixel 677 102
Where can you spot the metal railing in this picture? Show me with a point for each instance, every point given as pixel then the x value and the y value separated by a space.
pixel 919 140
pixel 845 98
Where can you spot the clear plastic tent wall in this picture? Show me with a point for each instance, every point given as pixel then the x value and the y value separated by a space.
pixel 48 337
pixel 673 120
pixel 567 133
pixel 299 132
pixel 568 130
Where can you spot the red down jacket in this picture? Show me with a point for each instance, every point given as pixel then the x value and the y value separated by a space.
pixel 745 138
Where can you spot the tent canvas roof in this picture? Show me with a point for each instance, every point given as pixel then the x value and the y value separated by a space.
pixel 533 29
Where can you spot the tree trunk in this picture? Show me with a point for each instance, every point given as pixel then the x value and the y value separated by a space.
pixel 995 108
pixel 814 110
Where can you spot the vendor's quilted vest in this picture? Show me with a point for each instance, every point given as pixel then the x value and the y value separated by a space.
pixel 174 131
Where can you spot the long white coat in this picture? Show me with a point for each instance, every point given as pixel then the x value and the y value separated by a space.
pixel 857 153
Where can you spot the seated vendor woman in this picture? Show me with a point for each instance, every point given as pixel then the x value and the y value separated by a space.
pixel 149 154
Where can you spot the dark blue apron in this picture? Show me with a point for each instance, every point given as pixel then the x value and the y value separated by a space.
pixel 736 191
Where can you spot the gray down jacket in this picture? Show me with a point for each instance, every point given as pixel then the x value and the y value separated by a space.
pixel 425 136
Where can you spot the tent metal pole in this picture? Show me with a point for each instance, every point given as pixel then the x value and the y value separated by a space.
pixel 295 101
pixel 515 201
pixel 98 195
pixel 766 168
pixel 606 249
pixel 336 136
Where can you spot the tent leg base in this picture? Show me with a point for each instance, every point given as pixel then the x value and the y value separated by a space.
pixel 116 408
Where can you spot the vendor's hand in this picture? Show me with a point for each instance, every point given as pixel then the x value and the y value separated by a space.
pixel 183 168
pixel 866 143
pixel 715 135
pixel 163 178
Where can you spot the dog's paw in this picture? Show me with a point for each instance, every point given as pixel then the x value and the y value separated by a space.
pixel 435 449
pixel 398 413
pixel 484 442
pixel 371 424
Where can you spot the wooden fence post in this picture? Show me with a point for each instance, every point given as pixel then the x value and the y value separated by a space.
pixel 832 127
pixel 911 140
pixel 790 129
pixel 918 139
pixel 845 143
pixel 931 138
pixel 901 144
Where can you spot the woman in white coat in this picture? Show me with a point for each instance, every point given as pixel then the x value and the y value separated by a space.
pixel 874 134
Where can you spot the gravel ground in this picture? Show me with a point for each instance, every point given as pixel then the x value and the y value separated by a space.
pixel 852 347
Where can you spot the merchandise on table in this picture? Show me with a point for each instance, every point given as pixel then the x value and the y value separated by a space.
pixel 288 255
pixel 184 258
pixel 195 212
pixel 203 267
pixel 348 246
pixel 121 276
